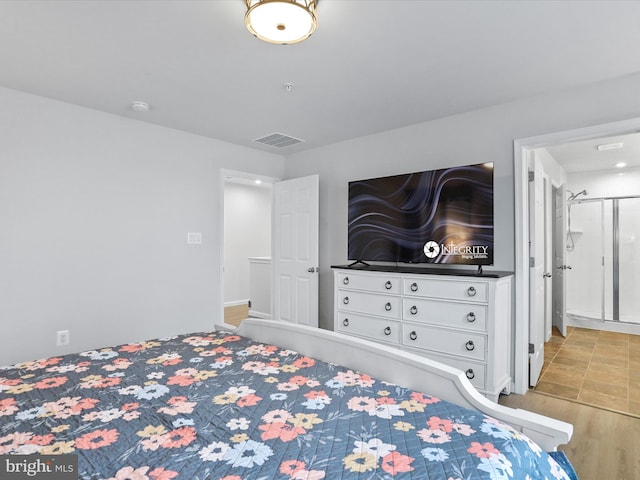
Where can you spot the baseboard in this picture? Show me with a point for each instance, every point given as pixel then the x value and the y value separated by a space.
pixel 256 314
pixel 236 303
pixel 607 325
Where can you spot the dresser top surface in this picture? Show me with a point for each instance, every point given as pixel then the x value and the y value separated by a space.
pixel 422 270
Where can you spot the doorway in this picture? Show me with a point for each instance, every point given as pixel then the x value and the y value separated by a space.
pixel 597 206
pixel 287 220
pixel 522 151
pixel 247 233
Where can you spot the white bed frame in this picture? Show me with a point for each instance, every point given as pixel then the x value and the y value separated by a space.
pixel 401 368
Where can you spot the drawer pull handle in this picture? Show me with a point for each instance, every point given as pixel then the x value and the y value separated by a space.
pixel 414 287
pixel 388 285
pixel 414 310
pixel 470 345
pixel 345 300
pixel 387 331
pixel 345 322
pixel 470 374
pixel 345 280
pixel 471 317
pixel 387 306
pixel 413 335
pixel 471 291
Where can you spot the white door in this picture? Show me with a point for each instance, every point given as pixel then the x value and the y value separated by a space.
pixel 295 250
pixel 536 270
pixel 559 261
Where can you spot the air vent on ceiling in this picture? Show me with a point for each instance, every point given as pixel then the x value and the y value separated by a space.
pixel 278 140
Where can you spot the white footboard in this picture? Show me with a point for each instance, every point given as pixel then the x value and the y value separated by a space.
pixel 402 368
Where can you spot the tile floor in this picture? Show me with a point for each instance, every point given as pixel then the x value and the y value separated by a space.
pixel 594 367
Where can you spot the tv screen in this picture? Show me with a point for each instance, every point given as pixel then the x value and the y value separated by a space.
pixel 439 216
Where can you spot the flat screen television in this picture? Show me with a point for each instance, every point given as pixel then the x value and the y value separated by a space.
pixel 440 216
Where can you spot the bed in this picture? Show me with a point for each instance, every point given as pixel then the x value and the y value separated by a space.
pixel 269 400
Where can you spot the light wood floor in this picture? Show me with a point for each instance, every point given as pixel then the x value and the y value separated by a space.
pixel 234 315
pixel 605 445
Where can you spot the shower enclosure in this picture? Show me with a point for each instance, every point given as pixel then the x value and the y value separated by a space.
pixel 603 259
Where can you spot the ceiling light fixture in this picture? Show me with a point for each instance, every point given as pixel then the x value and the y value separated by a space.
pixel 621 164
pixel 282 22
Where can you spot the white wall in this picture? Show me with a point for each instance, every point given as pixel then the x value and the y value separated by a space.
pixel 247 233
pixel 557 174
pixel 606 183
pixel 485 135
pixel 94 215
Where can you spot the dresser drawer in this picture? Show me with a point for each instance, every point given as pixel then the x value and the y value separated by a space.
pixel 476 372
pixel 464 344
pixel 372 283
pixel 369 303
pixel 379 329
pixel 449 314
pixel 443 288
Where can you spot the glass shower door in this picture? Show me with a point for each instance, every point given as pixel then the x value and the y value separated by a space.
pixel 629 259
pixel 585 266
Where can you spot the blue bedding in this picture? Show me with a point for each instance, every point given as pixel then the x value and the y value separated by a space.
pixel 219 406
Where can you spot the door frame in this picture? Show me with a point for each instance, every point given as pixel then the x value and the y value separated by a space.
pixel 521 149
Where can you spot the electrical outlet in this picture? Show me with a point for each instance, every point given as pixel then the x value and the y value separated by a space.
pixel 62 338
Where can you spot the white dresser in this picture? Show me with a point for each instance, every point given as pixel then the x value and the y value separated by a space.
pixel 460 320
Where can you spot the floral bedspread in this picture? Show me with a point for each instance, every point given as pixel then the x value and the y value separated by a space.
pixel 219 406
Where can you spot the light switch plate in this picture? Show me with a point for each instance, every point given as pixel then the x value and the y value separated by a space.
pixel 194 238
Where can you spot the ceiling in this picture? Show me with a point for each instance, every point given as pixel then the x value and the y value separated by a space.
pixel 584 155
pixel 371 66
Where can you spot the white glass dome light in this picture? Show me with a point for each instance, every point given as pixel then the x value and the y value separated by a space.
pixel 281 21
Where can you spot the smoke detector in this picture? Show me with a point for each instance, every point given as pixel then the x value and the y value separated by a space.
pixel 140 107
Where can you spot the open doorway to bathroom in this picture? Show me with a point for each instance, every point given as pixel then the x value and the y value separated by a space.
pixel 602 245
pixel 596 271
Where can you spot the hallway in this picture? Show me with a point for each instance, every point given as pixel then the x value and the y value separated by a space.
pixel 594 367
